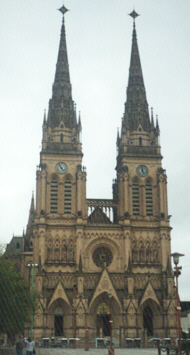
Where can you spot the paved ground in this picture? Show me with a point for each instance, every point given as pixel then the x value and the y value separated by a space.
pixel 68 351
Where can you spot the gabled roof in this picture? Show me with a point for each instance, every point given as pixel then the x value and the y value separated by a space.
pixel 98 217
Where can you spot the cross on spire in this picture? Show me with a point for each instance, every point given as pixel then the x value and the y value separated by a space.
pixel 134 14
pixel 63 10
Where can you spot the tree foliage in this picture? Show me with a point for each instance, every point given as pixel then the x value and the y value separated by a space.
pixel 16 301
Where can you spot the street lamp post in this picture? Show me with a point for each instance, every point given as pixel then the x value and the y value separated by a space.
pixel 111 351
pixel 177 272
pixel 31 268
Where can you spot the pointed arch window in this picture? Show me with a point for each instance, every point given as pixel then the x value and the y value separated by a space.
pixel 149 201
pixel 135 198
pixel 54 196
pixel 67 197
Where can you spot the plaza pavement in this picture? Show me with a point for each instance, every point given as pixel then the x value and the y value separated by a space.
pixel 124 351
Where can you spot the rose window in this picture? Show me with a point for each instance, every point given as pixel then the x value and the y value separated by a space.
pixel 102 257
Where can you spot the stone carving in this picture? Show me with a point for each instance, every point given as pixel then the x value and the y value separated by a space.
pixel 57 254
pixel 134 253
pixel 141 254
pixel 50 254
pixel 145 254
pixel 148 254
pixel 62 251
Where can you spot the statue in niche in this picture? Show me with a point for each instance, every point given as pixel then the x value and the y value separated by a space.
pixel 56 254
pixel 134 254
pixel 64 252
pixel 148 254
pixel 141 254
pixel 155 254
pixel 71 254
pixel 49 254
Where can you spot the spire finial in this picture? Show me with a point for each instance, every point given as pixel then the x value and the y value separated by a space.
pixel 134 14
pixel 63 10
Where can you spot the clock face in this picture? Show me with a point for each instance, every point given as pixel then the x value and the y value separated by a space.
pixel 61 168
pixel 142 170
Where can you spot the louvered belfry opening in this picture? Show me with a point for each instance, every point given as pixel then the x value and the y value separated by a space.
pixel 67 197
pixel 149 201
pixel 54 196
pixel 135 198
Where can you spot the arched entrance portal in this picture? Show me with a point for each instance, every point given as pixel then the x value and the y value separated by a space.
pixel 148 320
pixel 103 319
pixel 58 321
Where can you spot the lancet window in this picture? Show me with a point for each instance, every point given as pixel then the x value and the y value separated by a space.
pixel 54 196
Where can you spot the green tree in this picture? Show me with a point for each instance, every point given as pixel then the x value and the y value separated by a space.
pixel 16 301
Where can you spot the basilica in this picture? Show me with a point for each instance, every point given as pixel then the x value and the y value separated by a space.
pixel 102 266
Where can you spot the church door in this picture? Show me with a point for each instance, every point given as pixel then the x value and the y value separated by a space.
pixel 58 326
pixel 58 321
pixel 103 319
pixel 148 320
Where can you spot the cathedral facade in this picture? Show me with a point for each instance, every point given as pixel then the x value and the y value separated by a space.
pixel 103 264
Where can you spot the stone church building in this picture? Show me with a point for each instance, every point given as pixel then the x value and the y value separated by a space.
pixel 103 264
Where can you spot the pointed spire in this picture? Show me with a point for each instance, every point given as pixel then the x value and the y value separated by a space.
pixel 152 119
pixel 118 139
pixel 44 122
pixel 136 106
pixel 31 217
pixel 62 68
pixel 79 120
pixel 157 124
pixel 32 201
pixel 61 106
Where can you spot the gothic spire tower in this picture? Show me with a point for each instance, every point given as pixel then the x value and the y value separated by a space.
pixel 138 145
pixel 61 131
pixel 136 123
pixel 61 179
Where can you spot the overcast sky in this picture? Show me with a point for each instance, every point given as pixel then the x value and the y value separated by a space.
pixel 99 37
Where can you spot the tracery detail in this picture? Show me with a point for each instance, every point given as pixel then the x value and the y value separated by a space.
pixel 102 256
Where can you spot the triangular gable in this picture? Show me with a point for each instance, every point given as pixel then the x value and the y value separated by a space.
pixel 59 293
pixel 140 129
pixel 98 217
pixel 131 308
pixel 172 307
pixel 149 293
pixel 105 285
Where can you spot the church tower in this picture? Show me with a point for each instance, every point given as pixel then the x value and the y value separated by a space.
pixel 101 262
pixel 61 180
